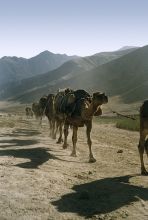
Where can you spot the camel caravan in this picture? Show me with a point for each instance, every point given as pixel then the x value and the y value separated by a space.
pixel 74 109
pixel 70 109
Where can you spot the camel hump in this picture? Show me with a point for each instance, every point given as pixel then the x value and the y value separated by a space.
pixel 144 109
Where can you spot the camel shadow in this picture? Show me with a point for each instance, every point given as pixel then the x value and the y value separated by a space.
pixel 37 156
pixel 25 132
pixel 17 142
pixel 22 132
pixel 101 196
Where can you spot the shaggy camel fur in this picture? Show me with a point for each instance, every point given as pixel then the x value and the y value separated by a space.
pixel 143 143
pixel 85 108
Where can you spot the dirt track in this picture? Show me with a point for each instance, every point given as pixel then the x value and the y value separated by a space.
pixel 39 180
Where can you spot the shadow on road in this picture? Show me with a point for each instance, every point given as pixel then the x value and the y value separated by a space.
pixel 101 196
pixel 37 156
pixel 22 132
pixel 16 142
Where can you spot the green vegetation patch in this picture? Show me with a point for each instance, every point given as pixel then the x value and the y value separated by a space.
pixel 129 124
pixel 120 122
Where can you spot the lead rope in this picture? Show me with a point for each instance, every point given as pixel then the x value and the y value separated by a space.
pixel 119 114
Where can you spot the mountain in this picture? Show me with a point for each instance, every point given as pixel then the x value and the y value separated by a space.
pixel 126 77
pixel 14 69
pixel 127 47
pixel 32 88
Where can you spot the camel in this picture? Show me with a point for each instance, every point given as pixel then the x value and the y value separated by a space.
pixel 29 113
pixel 38 111
pixel 47 105
pixel 63 100
pixel 143 143
pixel 85 107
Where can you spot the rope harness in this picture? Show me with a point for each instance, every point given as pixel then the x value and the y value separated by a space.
pixel 119 114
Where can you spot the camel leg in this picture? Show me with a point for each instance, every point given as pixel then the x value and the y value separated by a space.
pixel 60 137
pixel 89 142
pixel 50 127
pixel 141 147
pixel 56 128
pixel 40 121
pixel 74 141
pixel 53 129
pixel 66 126
pixel 146 147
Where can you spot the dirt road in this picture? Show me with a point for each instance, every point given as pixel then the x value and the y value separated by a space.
pixel 40 181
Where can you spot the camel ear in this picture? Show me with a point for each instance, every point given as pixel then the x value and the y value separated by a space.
pixel 95 94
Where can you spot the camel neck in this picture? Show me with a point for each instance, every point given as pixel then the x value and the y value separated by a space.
pixel 90 109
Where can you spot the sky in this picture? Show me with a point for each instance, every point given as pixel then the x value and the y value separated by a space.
pixel 72 27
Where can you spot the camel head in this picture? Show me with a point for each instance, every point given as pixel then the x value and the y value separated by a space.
pixel 43 101
pixel 99 98
pixel 91 107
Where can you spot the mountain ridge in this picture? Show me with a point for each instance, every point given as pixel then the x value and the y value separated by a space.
pixel 68 74
pixel 18 68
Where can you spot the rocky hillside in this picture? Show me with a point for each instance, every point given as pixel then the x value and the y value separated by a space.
pixel 68 74
pixel 14 69
pixel 126 77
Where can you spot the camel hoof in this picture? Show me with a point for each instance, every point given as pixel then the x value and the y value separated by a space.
pixel 92 160
pixel 59 142
pixel 64 146
pixel 73 154
pixel 144 173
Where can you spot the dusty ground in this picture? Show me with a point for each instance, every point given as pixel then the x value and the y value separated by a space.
pixel 39 180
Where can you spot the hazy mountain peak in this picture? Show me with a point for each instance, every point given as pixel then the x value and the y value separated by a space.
pixel 127 47
pixel 13 69
pixel 46 52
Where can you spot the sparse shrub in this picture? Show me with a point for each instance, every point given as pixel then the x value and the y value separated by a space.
pixel 128 124
pixel 120 122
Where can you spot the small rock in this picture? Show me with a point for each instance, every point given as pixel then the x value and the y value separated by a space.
pixel 120 151
pixel 89 172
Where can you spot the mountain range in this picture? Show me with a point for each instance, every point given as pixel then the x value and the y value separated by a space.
pixel 121 73
pixel 13 69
